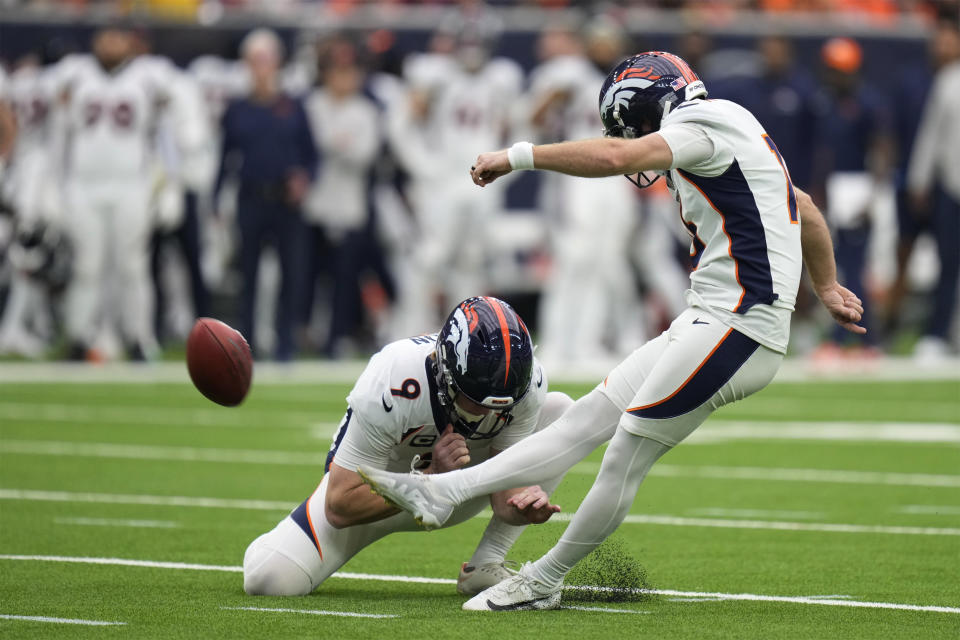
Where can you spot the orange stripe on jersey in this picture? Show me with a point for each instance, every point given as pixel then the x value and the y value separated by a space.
pixel 723 226
pixel 689 378
pixel 505 329
pixel 316 540
pixel 791 194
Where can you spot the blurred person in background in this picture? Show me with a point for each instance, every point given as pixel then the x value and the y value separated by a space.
pixel 180 179
pixel 592 222
pixel 345 128
pixel 412 142
pixel 780 97
pixel 27 325
pixel 111 102
pixel 268 143
pixel 463 107
pixel 853 158
pixel 933 182
pixel 8 124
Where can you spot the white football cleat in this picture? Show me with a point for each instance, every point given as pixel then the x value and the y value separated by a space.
pixel 412 493
pixel 474 579
pixel 517 593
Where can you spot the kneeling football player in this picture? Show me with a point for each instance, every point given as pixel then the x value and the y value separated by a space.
pixel 433 404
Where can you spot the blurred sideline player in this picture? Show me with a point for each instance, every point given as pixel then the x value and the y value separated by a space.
pixel 431 403
pixel 854 150
pixel 591 286
pixel 111 101
pixel 745 220
pixel 29 188
pixel 459 106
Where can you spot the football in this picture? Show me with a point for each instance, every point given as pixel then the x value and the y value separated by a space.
pixel 219 362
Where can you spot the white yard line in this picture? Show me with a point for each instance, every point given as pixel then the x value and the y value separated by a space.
pixel 268 505
pixel 930 509
pixel 163 501
pixel 604 609
pixel 118 522
pixel 832 476
pixel 300 458
pixel 89 623
pixel 720 431
pixel 84 412
pixel 826 527
pixel 814 600
pixel 160 452
pixel 756 513
pixel 313 612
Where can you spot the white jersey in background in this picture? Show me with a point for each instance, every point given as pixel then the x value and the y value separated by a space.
pixel 110 153
pixel 32 190
pixel 472 110
pixel 740 208
pixel 111 115
pixel 453 115
pixel 347 135
pixel 591 304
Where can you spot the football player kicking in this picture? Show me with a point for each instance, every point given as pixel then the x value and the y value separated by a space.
pixel 747 241
pixel 433 404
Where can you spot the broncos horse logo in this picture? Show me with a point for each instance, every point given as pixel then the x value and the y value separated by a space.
pixel 459 338
pixel 620 92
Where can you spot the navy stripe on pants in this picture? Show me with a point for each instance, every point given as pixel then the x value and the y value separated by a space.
pixel 714 372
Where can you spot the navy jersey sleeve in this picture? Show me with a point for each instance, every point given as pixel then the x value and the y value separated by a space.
pixel 228 144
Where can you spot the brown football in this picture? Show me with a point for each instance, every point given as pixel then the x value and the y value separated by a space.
pixel 219 362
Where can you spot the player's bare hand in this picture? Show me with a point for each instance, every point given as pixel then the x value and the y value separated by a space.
pixel 534 504
pixel 450 452
pixel 845 307
pixel 489 167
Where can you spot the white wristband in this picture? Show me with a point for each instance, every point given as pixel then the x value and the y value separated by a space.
pixel 520 156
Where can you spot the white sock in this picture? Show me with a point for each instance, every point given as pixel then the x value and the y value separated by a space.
pixel 590 422
pixel 495 543
pixel 625 465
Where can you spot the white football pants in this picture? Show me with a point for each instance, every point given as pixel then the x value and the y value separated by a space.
pixel 288 562
pixel 591 285
pixel 110 226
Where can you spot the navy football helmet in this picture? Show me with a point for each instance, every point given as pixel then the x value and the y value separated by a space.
pixel 641 91
pixel 485 353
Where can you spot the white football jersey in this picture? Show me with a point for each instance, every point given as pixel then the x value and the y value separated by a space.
pixel 740 208
pixel 30 91
pixel 393 413
pixel 578 77
pixel 110 115
pixel 471 112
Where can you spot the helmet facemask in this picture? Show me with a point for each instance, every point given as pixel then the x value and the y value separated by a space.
pixel 470 425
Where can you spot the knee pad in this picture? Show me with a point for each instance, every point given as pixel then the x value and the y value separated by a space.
pixel 267 572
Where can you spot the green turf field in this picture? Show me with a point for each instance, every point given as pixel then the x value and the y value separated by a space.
pixel 776 516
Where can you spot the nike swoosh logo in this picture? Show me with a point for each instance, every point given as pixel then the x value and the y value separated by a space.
pixel 699 321
pixel 540 381
pixel 508 607
pixel 386 407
